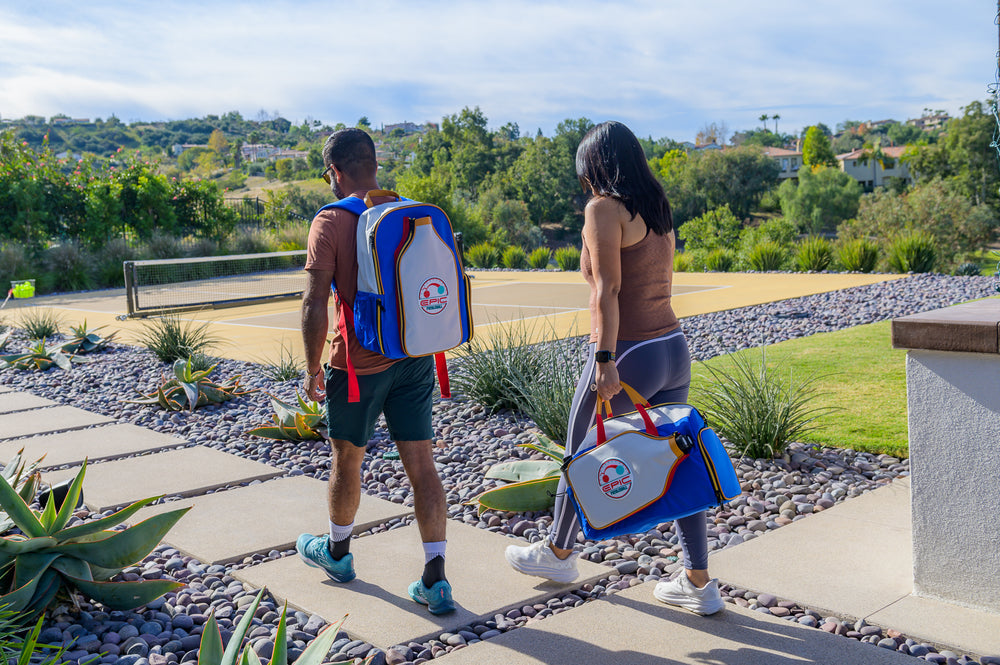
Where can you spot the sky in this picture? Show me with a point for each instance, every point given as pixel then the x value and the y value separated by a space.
pixel 666 68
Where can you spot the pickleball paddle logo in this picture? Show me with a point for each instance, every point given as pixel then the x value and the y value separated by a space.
pixel 615 478
pixel 433 296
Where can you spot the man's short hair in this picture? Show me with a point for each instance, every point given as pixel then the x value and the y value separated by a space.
pixel 351 151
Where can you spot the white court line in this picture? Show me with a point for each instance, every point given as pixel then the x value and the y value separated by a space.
pixel 488 304
pixel 515 283
pixel 700 287
pixel 539 316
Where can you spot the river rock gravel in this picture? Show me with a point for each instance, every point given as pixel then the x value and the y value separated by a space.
pixel 468 441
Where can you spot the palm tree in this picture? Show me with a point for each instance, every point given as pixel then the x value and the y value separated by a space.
pixel 764 118
pixel 873 153
pixel 775 117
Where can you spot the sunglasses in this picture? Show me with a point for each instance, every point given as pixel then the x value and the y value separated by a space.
pixel 325 175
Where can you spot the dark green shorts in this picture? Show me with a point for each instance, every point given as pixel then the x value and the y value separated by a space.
pixel 403 392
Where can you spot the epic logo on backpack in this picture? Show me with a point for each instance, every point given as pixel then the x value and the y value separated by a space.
pixel 413 295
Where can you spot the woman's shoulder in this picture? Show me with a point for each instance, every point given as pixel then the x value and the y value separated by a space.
pixel 607 206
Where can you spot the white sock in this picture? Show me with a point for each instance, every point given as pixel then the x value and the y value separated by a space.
pixel 339 533
pixel 434 549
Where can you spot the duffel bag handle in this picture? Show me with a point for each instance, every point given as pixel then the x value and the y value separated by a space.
pixel 377 193
pixel 641 404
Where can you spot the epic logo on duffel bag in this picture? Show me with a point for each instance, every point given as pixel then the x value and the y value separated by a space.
pixel 615 478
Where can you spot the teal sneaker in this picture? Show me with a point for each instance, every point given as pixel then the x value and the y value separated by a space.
pixel 437 598
pixel 314 552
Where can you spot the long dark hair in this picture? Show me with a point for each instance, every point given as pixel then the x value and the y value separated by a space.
pixel 611 161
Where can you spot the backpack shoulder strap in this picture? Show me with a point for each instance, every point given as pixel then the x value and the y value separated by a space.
pixel 351 204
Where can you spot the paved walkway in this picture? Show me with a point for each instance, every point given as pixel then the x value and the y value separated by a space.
pixel 852 561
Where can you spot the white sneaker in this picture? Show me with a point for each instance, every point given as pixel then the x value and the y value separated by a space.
pixel 682 593
pixel 538 559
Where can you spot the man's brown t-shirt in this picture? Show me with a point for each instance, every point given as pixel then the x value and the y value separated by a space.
pixel 333 246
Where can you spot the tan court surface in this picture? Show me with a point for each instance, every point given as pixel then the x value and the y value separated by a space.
pixel 552 303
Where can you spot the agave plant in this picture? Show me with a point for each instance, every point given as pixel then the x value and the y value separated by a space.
pixel 211 651
pixel 191 388
pixel 38 358
pixel 24 479
pixel 4 337
pixel 532 483
pixel 293 423
pixel 86 341
pixel 48 555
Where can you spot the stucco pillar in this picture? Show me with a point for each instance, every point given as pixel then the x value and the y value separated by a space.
pixel 953 404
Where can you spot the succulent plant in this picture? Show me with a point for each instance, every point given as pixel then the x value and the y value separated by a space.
pixel 23 479
pixel 48 555
pixel 533 482
pixel 38 358
pixel 86 341
pixel 190 389
pixel 4 337
pixel 293 423
pixel 211 651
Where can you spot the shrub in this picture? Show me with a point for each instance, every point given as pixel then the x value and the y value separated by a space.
pixel 169 339
pixel 162 246
pixel 539 258
pixel 968 269
pixel 198 247
pixel 291 238
pixel 490 370
pixel 248 241
pixel 716 228
pixel 814 254
pixel 515 258
pixel 683 262
pixel 482 255
pixel 107 269
pixel 39 323
pixel 720 259
pixel 755 410
pixel 15 263
pixel 547 396
pixel 915 251
pixel 66 267
pixel 283 368
pixel 767 255
pixel 568 258
pixel 858 255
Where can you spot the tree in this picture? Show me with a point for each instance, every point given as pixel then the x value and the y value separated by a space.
pixel 776 117
pixel 713 132
pixel 763 117
pixel 938 207
pixel 363 123
pixel 737 177
pixel 903 134
pixel 217 142
pixel 816 149
pixel 823 197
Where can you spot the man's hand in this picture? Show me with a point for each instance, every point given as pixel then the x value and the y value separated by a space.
pixel 315 385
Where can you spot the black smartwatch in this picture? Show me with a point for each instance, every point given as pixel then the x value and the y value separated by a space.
pixel 604 356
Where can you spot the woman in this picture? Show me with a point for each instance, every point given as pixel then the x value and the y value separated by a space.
pixel 627 259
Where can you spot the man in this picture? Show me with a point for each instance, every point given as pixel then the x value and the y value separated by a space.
pixel 401 389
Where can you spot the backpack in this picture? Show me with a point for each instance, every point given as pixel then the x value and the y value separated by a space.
pixel 413 295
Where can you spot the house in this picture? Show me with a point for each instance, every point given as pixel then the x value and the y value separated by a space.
pixel 930 122
pixel 871 173
pixel 257 152
pixel 788 160
pixel 178 148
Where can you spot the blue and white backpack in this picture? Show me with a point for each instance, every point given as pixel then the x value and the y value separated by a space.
pixel 413 295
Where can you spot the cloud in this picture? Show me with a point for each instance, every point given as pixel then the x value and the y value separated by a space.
pixel 665 66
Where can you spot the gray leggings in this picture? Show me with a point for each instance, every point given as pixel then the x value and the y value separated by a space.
pixel 660 369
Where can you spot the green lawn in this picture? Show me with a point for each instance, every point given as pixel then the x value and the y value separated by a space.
pixel 863 377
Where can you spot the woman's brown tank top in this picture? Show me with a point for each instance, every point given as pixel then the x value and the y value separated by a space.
pixel 644 310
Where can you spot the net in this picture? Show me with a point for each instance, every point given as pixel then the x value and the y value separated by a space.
pixel 161 285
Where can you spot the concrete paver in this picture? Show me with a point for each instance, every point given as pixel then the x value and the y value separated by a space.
pixel 16 401
pixel 47 420
pixel 938 622
pixel 5 389
pixel 95 443
pixel 230 525
pixel 632 627
pixel 807 561
pixel 183 472
pixel 381 611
